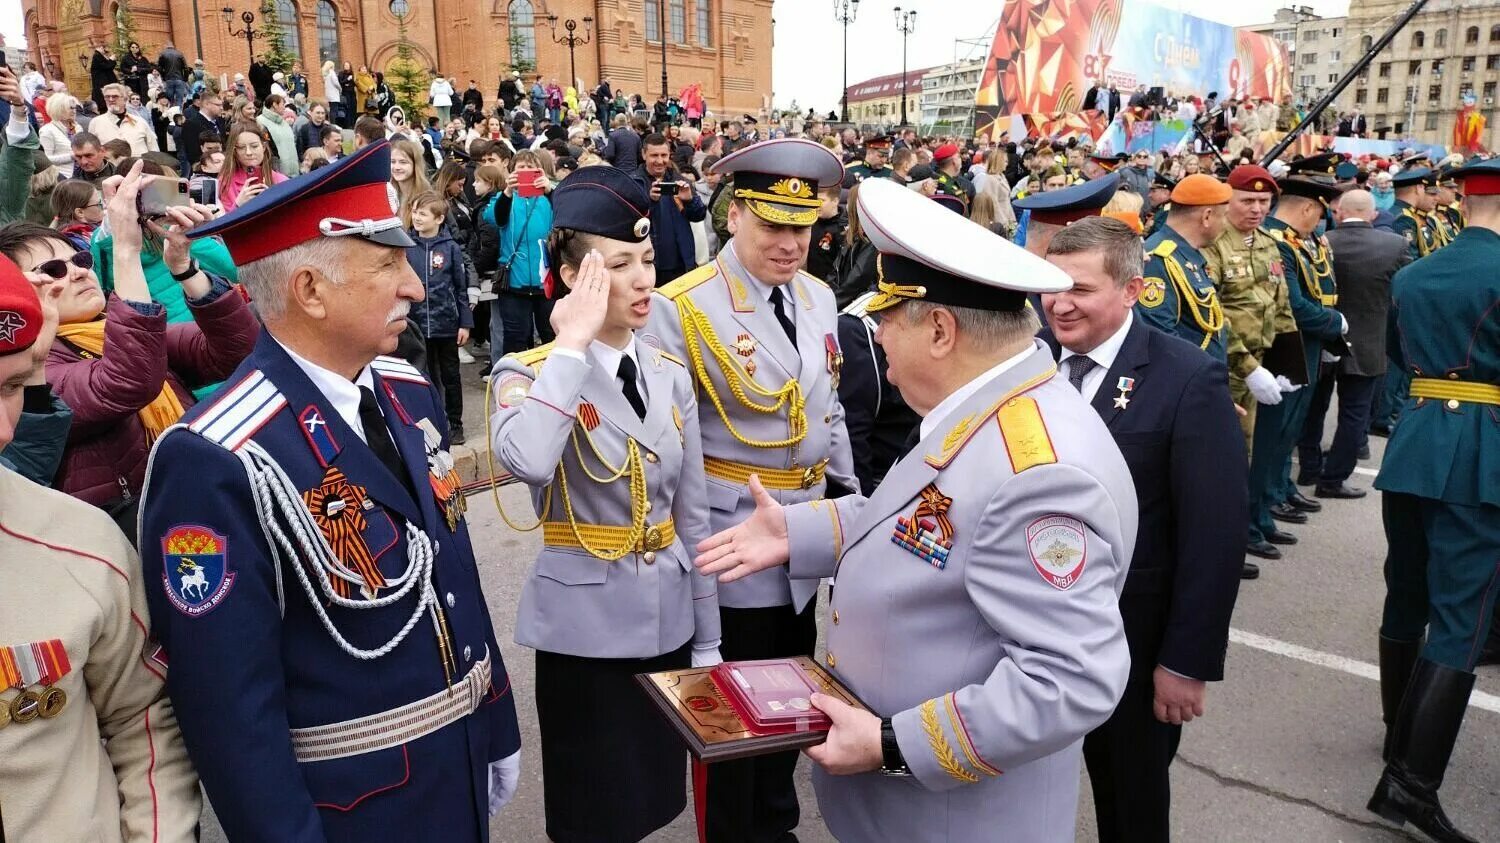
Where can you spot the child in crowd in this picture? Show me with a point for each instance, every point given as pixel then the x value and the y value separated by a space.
pixel 443 316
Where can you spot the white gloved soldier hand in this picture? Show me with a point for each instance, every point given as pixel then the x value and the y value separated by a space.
pixel 706 655
pixel 1286 385
pixel 1343 324
pixel 1328 357
pixel 505 775
pixel 1262 384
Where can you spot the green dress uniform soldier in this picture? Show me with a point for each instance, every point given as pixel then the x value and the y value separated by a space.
pixel 604 429
pixel 1450 201
pixel 1441 485
pixel 760 338
pixel 1178 296
pixel 874 165
pixel 977 605
pixel 1413 200
pixel 947 164
pixel 1246 268
pixel 1309 281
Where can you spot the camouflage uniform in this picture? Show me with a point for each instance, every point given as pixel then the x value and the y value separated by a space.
pixel 1252 291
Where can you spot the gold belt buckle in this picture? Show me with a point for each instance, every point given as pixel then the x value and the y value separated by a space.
pixel 809 477
pixel 653 538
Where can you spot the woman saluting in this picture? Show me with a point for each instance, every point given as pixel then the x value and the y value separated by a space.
pixel 603 428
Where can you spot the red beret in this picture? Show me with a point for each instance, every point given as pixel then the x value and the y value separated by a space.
pixel 1254 178
pixel 20 312
pixel 947 150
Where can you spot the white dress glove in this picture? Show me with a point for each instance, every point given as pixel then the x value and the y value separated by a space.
pixel 1328 356
pixel 1344 324
pixel 505 774
pixel 1262 384
pixel 706 656
pixel 1286 385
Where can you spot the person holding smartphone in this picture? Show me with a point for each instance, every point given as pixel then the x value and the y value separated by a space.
pixel 251 173
pixel 674 205
pixel 523 214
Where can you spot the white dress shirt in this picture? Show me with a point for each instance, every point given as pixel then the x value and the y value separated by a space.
pixel 1103 356
pixel 608 357
pixel 949 405
pixel 341 392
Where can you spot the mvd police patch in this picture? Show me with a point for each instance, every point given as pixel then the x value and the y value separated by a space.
pixel 195 570
pixel 1059 548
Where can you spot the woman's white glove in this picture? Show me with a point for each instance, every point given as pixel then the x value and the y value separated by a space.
pixel 505 775
pixel 706 656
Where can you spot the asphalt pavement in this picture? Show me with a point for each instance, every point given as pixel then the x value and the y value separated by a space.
pixel 1288 750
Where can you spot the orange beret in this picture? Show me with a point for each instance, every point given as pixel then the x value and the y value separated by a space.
pixel 1130 218
pixel 1253 178
pixel 1201 189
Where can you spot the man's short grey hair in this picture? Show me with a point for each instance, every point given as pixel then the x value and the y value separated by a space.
pixel 985 330
pixel 266 279
pixel 1116 243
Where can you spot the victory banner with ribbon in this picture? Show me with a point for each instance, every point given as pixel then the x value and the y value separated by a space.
pixel 1048 53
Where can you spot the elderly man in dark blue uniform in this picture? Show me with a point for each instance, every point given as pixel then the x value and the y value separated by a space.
pixel 1441 485
pixel 334 669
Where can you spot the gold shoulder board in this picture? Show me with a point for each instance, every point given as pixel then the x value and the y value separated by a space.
pixel 1025 434
pixel 813 278
pixel 690 280
pixel 1277 234
pixel 534 357
pixel 1165 248
pixel 674 358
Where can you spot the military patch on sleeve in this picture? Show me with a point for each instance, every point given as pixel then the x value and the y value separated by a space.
pixel 1153 292
pixel 1059 549
pixel 195 569
pixel 513 390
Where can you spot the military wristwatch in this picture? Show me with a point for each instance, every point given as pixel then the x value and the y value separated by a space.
pixel 891 764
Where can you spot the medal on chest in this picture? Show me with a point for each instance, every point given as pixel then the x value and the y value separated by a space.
pixel 437 261
pixel 442 476
pixel 835 358
pixel 338 507
pixel 927 534
pixel 744 346
pixel 1125 385
pixel 34 670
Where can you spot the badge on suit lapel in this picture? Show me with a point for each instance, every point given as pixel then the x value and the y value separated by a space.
pixel 442 475
pixel 1125 385
pixel 338 507
pixel 927 534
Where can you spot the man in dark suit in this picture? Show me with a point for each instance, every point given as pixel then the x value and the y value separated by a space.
pixel 1364 259
pixel 1091 99
pixel 1167 404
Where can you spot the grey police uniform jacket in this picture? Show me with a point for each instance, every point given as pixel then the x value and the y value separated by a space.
pixel 557 417
pixel 989 631
pixel 719 305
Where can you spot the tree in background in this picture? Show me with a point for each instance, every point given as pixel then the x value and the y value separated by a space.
pixel 276 56
pixel 407 78
pixel 518 60
pixel 124 30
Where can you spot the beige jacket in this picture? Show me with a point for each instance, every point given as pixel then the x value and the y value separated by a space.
pixel 129 128
pixel 109 764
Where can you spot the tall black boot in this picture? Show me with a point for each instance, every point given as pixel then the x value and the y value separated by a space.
pixel 1421 742
pixel 1397 658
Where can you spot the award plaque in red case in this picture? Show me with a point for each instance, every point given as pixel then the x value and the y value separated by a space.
pixel 771 696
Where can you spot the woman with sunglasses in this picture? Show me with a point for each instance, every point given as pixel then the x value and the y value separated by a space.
pixel 125 372
pixel 603 427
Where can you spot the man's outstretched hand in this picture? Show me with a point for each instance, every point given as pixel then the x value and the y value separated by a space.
pixel 753 546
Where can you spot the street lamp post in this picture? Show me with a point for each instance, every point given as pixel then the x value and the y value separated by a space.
pixel 844 12
pixel 907 23
pixel 661 30
pixel 250 33
pixel 572 39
